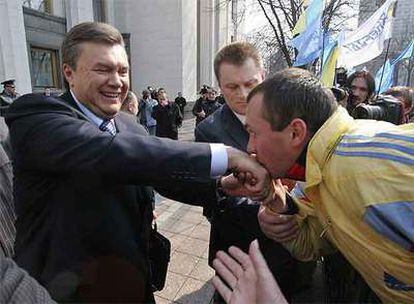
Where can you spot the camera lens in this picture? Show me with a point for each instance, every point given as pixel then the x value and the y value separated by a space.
pixel 364 111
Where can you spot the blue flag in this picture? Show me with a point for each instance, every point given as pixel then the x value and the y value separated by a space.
pixel 312 12
pixel 387 73
pixel 406 54
pixel 309 43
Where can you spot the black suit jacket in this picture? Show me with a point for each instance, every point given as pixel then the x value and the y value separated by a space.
pixel 83 209
pixel 234 220
pixel 223 127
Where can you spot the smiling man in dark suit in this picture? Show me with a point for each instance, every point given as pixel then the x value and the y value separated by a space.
pixel 239 68
pixel 82 167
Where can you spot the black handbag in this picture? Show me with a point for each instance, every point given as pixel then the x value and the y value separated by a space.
pixel 159 255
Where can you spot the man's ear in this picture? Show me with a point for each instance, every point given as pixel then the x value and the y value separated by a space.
pixel 299 132
pixel 68 73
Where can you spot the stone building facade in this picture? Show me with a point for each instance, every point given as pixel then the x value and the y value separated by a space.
pixel 171 43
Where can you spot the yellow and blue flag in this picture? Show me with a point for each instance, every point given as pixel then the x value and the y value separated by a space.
pixel 330 56
pixel 309 44
pixel 408 53
pixel 310 14
pixel 384 78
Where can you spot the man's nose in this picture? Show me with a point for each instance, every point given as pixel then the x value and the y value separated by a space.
pixel 244 92
pixel 115 80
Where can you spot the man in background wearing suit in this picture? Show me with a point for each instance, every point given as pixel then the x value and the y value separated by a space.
pixel 82 169
pixel 238 68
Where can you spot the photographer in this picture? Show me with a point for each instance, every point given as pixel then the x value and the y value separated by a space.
pixel 358 181
pixel 405 96
pixel 361 88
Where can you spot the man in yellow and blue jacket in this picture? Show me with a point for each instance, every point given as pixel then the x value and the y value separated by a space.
pixel 359 174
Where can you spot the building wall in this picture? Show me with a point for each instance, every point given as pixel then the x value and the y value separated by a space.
pixel 78 11
pixel 214 32
pixel 13 48
pixel 172 42
pixel 206 42
pixel 189 49
pixel 59 8
pixel 163 44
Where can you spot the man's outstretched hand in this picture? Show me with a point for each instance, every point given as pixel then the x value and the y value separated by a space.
pixel 249 177
pixel 245 278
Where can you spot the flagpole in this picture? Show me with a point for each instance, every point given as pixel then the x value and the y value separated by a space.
pixel 383 66
pixel 323 37
pixel 323 50
pixel 410 69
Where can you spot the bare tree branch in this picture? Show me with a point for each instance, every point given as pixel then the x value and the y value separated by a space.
pixel 282 16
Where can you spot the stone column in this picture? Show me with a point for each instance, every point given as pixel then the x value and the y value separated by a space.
pixel 14 62
pixel 189 49
pixel 110 12
pixel 78 11
pixel 206 41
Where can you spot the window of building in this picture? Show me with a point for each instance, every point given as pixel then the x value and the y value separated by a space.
pixel 44 68
pixel 44 6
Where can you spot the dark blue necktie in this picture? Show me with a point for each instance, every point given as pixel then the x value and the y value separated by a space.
pixel 108 126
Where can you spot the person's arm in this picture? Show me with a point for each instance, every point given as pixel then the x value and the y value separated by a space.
pixel 178 116
pixel 154 112
pixel 203 135
pixel 291 220
pixel 17 286
pixel 7 212
pixel 50 137
pixel 196 107
pixel 394 221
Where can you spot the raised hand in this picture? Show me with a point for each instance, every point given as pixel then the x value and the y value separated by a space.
pixel 248 276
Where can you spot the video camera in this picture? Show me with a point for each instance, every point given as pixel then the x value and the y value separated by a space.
pixel 385 108
pixel 341 92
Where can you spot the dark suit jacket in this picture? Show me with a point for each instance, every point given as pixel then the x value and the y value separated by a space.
pixel 83 209
pixel 234 220
pixel 169 118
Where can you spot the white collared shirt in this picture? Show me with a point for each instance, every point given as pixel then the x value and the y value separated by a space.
pixel 242 118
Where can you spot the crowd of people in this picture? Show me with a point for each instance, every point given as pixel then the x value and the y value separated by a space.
pixel 286 172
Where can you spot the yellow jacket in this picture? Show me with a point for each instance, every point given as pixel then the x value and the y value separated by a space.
pixel 360 190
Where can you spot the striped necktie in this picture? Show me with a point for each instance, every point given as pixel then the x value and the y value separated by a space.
pixel 108 126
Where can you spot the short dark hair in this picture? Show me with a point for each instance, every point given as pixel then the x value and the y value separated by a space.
pixel 295 93
pixel 406 93
pixel 236 53
pixel 369 79
pixel 97 32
